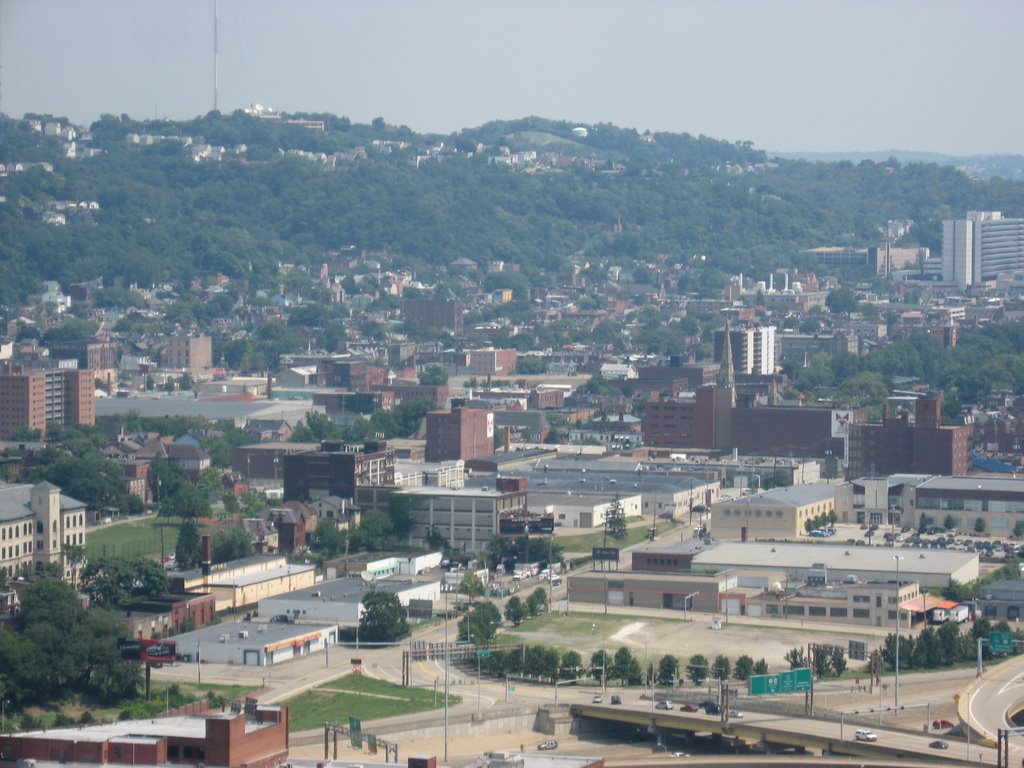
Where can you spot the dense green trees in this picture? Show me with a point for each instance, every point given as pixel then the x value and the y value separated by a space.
pixel 113 582
pixel 61 648
pixel 480 624
pixel 164 217
pixel 231 543
pixel 986 358
pixel 383 619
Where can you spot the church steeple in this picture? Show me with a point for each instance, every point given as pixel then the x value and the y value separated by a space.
pixel 726 374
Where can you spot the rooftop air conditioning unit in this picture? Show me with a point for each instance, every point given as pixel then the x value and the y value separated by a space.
pixel 243 633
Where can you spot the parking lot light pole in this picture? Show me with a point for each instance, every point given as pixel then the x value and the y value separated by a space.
pixel 897 558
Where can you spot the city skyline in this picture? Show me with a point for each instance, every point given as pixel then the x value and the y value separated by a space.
pixel 791 75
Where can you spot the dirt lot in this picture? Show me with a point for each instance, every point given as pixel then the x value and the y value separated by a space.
pixel 587 632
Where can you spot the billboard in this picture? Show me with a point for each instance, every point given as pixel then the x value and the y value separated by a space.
pixel 130 648
pixel 158 651
pixel 841 423
pixel 606 553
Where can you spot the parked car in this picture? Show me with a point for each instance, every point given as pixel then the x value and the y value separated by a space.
pixel 939 744
pixel 616 699
pixel 546 745
pixel 866 735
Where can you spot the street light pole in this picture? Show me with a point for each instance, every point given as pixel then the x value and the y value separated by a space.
pixel 897 558
pixel 446 655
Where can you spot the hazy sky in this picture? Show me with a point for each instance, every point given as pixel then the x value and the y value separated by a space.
pixel 825 75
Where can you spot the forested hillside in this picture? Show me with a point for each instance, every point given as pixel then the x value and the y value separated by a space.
pixel 165 216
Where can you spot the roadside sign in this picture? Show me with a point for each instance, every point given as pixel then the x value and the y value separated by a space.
pixel 794 681
pixel 605 553
pixel 1000 642
pixel 483 654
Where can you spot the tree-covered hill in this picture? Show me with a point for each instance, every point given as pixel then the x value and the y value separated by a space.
pixel 428 200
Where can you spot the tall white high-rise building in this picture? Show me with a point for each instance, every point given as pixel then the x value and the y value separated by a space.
pixel 981 247
pixel 752 349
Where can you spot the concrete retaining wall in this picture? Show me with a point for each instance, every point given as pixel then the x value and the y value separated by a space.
pixel 504 720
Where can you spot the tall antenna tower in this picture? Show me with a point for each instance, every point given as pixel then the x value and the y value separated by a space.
pixel 215 84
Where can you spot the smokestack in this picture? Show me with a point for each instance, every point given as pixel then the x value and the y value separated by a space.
pixel 787 281
pixel 206 550
pixel 508 439
pixel 771 282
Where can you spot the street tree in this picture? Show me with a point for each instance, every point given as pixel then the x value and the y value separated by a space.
pixel 722 667
pixel 796 658
pixel 626 667
pixel 744 668
pixel 187 551
pixel 515 611
pixel 481 624
pixel 383 619
pixel 600 664
pixel 615 519
pixel 571 665
pixel 472 586
pixel 668 670
pixel 537 601
pixel 697 668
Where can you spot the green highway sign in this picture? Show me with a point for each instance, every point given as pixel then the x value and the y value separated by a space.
pixel 483 654
pixel 1000 642
pixel 794 681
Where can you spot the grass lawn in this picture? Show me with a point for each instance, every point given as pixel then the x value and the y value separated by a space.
pixel 635 533
pixel 74 708
pixel 362 697
pixel 138 538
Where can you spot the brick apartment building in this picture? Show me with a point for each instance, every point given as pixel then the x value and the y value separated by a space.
pixel 193 352
pixel 91 355
pixel 337 469
pixel 443 314
pixel 901 446
pixel 545 399
pixel 459 433
pixel 352 375
pixel 487 362
pixel 29 399
pixel 706 420
pixel 407 390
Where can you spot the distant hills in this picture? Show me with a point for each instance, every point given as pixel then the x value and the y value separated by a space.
pixel 152 202
pixel 981 166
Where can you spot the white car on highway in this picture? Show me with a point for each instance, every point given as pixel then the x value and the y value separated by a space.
pixel 866 735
